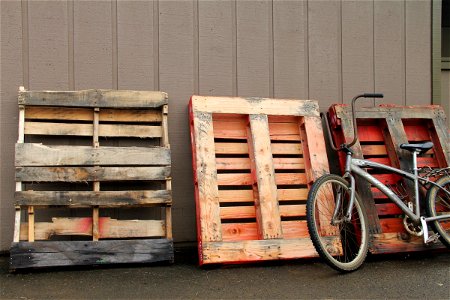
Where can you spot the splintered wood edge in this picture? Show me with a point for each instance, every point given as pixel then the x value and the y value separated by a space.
pixel 268 106
pixel 94 98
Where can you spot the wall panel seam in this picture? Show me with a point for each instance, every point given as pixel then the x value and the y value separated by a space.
pixel 405 52
pixel 196 45
pixel 70 46
pixel 156 80
pixel 25 45
pixel 234 48
pixel 115 45
pixel 306 3
pixel 340 63
pixel 271 53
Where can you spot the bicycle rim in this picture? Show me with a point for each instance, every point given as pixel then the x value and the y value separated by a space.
pixel 438 203
pixel 343 245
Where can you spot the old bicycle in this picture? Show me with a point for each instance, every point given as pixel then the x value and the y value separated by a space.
pixel 337 221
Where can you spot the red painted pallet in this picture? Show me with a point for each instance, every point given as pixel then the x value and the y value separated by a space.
pixel 253 162
pixel 381 130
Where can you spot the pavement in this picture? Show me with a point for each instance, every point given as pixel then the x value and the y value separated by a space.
pixel 404 276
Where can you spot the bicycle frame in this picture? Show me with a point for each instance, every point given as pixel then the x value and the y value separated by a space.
pixel 354 165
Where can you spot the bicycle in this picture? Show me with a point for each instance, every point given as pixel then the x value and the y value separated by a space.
pixel 337 221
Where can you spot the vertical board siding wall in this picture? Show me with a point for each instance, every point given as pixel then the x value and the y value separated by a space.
pixel 323 50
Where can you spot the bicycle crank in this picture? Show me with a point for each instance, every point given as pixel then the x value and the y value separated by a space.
pixel 411 228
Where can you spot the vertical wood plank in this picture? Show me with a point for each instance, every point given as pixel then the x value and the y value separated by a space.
pixel 357 49
pixel 48 42
pixel 362 186
pixel 19 187
pixel 290 49
pixel 216 48
pixel 207 178
pixel 253 48
pixel 418 52
pixel 96 184
pixel 266 200
pixel 165 143
pixel 312 134
pixel 30 223
pixel 395 136
pixel 135 32
pixel 93 44
pixel 389 50
pixel 324 52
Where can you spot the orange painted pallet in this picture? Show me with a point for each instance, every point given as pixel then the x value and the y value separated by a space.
pixel 93 181
pixel 381 130
pixel 253 161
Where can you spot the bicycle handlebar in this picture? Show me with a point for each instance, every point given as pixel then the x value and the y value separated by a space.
pixel 355 134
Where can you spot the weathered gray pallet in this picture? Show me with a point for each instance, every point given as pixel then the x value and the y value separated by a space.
pixel 53 168
pixel 54 254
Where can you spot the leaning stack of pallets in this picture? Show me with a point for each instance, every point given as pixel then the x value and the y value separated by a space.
pixel 88 163
pixel 253 162
pixel 381 130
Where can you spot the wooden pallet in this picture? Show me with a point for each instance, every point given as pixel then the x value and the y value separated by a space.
pixel 381 130
pixel 87 163
pixel 253 162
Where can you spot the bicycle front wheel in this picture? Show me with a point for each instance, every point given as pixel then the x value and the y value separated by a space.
pixel 438 203
pixel 342 244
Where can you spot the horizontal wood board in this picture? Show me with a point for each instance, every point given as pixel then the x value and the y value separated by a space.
pixel 254 160
pixel 62 253
pixel 131 171
pixel 381 130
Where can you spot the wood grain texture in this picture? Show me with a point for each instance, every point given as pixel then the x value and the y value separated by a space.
pixel 105 130
pixel 29 154
pixel 247 251
pixel 266 202
pixel 207 178
pixel 396 243
pixel 87 198
pixel 86 114
pixel 82 174
pixel 255 105
pixel 51 254
pixel 107 228
pixel 95 98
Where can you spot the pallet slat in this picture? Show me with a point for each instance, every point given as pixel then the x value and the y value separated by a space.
pixel 88 198
pixel 47 128
pixel 94 98
pixel 60 253
pixel 86 114
pixel 108 228
pixel 29 154
pixel 82 174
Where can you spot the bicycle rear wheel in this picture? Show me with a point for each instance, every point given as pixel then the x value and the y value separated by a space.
pixel 438 203
pixel 343 245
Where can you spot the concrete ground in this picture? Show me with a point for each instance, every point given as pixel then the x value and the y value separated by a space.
pixel 424 276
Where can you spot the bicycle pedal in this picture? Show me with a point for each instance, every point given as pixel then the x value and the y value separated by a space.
pixel 432 238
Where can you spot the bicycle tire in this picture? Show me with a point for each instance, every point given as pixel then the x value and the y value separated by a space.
pixel 437 203
pixel 353 235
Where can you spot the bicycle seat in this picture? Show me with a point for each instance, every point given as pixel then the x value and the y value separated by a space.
pixel 421 148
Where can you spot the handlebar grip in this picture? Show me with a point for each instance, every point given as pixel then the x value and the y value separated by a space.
pixel 374 95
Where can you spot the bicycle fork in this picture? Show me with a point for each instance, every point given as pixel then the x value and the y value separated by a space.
pixel 339 195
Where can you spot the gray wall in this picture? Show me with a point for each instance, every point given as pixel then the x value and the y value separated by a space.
pixel 324 50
